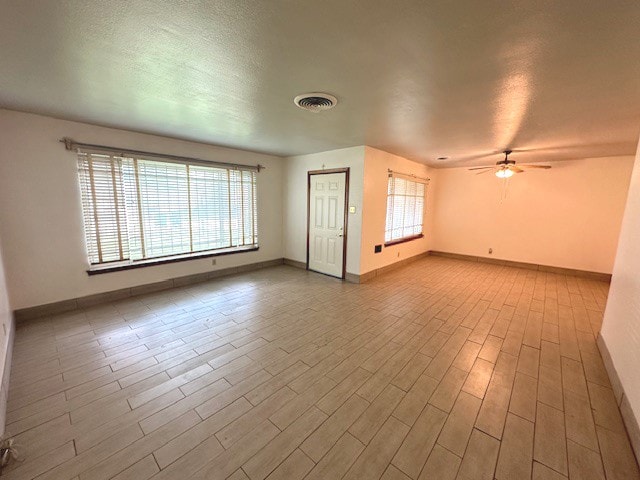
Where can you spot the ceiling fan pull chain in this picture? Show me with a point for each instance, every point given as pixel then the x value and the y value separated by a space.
pixel 505 189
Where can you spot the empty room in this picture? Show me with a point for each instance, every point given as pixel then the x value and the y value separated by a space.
pixel 352 239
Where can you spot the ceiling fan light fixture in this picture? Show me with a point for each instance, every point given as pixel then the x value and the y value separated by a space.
pixel 504 173
pixel 507 168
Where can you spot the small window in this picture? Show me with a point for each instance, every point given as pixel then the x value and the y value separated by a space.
pixel 405 209
pixel 139 210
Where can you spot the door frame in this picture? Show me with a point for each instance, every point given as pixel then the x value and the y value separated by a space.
pixel 346 171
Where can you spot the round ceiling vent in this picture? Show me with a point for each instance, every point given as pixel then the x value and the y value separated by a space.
pixel 315 102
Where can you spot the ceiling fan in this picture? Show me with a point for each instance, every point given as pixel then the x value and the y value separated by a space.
pixel 506 168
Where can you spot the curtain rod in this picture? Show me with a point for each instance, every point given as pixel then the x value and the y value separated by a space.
pixel 391 172
pixel 71 145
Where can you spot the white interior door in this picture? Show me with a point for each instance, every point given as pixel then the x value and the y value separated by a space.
pixel 326 222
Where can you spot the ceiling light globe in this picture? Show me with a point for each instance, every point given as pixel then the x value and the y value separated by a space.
pixel 505 173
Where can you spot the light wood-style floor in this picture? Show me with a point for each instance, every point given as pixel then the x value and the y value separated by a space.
pixel 443 369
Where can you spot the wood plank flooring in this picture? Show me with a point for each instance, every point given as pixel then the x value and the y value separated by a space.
pixel 443 369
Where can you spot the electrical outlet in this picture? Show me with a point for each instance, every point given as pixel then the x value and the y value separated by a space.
pixel 490 251
pixel 213 261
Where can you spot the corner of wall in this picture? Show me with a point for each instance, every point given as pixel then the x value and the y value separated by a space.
pixel 622 399
pixel 7 333
pixel 41 217
pixel 295 200
pixel 376 165
pixel 6 373
pixel 575 224
pixel 618 340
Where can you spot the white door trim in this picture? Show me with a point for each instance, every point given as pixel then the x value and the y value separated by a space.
pixel 346 211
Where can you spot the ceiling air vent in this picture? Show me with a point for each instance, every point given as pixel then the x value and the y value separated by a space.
pixel 315 102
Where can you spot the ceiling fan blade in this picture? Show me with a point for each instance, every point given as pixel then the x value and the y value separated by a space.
pixel 486 171
pixel 546 167
pixel 481 168
pixel 516 169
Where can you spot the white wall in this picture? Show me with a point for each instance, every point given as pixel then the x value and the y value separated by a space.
pixel 621 325
pixel 6 323
pixel 40 212
pixel 295 201
pixel 568 216
pixel 376 166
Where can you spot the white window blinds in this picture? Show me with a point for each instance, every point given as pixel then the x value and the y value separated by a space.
pixel 405 208
pixel 138 209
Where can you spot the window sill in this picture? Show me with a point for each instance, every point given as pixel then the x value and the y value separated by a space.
pixel 100 269
pixel 403 240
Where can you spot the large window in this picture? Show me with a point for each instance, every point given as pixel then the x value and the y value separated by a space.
pixel 137 210
pixel 405 209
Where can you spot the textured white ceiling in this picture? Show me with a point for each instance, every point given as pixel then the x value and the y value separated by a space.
pixel 550 79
